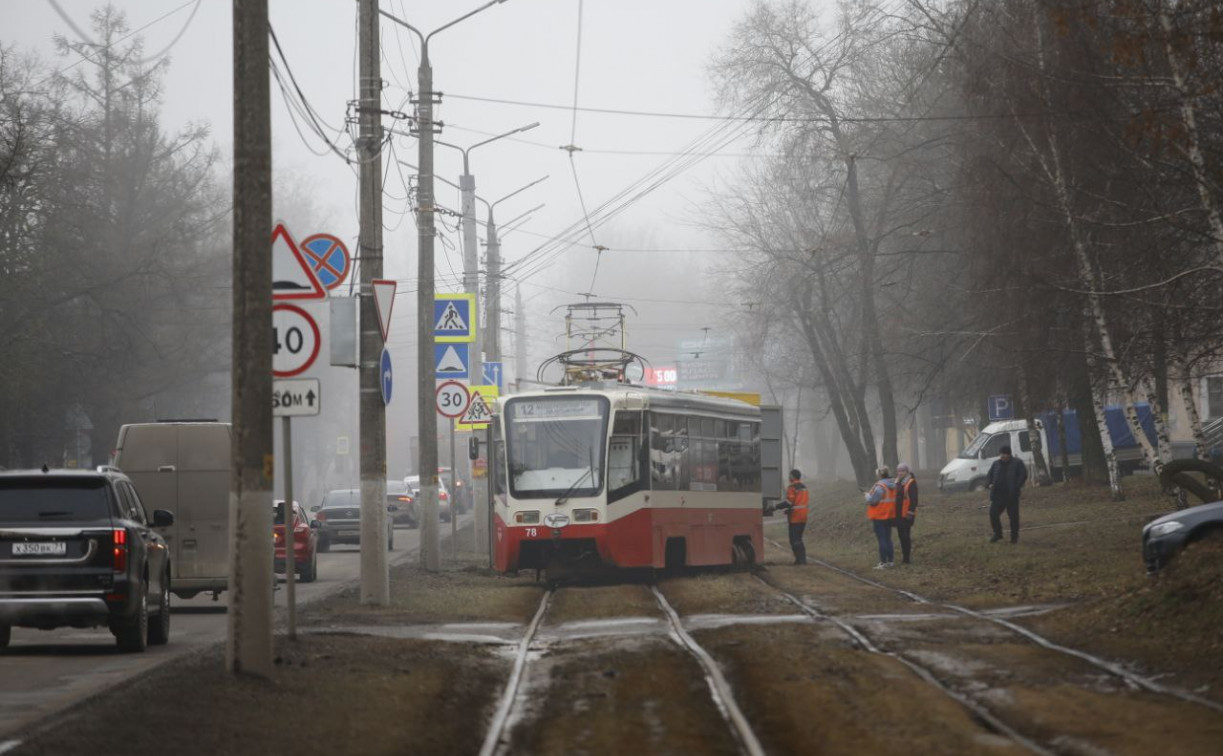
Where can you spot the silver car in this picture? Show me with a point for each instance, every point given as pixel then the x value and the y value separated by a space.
pixel 339 519
pixel 444 510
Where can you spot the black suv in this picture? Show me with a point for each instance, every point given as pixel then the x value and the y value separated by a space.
pixel 78 549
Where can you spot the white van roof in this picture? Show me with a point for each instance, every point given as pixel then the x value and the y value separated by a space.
pixel 1005 426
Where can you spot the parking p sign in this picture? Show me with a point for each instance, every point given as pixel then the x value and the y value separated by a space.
pixel 1001 407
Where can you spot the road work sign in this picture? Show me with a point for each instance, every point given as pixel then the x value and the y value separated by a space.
pixel 454 318
pixel 299 397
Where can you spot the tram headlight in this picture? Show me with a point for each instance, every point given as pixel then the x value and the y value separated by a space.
pixel 585 515
pixel 527 518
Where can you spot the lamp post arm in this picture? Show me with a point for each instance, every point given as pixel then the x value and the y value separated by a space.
pixel 516 191
pixel 464 17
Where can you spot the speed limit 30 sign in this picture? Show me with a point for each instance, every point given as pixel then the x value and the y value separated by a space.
pixel 452 398
pixel 295 340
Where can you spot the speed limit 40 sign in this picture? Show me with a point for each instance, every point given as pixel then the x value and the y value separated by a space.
pixel 295 340
pixel 452 398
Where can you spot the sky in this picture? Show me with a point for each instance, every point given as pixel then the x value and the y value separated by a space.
pixel 510 65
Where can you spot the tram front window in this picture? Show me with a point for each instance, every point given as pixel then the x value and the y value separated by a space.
pixel 556 446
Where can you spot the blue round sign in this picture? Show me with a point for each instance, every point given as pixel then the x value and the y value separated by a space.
pixel 385 375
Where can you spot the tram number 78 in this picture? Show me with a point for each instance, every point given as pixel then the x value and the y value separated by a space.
pixel 532 532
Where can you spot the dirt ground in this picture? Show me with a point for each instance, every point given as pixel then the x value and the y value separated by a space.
pixel 342 694
pixel 1077 549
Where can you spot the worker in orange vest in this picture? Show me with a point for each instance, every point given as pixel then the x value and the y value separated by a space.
pixel 795 506
pixel 881 510
pixel 906 499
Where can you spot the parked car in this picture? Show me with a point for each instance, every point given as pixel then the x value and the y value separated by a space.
pixel 305 542
pixel 78 549
pixel 460 497
pixel 443 496
pixel 339 519
pixel 183 468
pixel 1164 537
pixel 400 496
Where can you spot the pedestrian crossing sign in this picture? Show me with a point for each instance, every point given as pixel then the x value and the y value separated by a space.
pixel 454 318
pixel 479 411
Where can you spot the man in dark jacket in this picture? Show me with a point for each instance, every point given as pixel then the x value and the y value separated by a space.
pixel 1006 477
pixel 906 508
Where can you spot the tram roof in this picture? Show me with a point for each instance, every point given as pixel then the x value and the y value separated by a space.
pixel 649 396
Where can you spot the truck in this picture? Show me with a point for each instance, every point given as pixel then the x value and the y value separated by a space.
pixel 968 471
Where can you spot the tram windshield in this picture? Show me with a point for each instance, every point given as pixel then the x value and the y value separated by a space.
pixel 556 445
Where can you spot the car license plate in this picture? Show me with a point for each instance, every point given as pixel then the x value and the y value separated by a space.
pixel 350 533
pixel 57 548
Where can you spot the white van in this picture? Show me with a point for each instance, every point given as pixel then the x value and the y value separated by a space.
pixel 184 468
pixel 968 471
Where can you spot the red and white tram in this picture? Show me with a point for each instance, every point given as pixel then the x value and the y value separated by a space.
pixel 625 476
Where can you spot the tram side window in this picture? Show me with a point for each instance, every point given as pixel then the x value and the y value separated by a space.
pixel 664 464
pixel 501 470
pixel 625 460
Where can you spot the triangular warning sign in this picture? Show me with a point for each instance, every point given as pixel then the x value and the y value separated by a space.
pixel 292 276
pixel 451 320
pixel 478 412
pixel 384 301
pixel 451 362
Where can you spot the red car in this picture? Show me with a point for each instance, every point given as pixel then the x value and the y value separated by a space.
pixel 305 542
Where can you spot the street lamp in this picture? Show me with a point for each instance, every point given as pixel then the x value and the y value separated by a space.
pixel 492 304
pixel 430 547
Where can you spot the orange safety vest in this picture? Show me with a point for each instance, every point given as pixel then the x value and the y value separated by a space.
pixel 886 508
pixel 906 498
pixel 797 496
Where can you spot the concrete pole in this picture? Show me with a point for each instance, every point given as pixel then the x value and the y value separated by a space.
pixel 492 319
pixel 471 285
pixel 430 544
pixel 286 440
pixel 375 578
pixel 248 646
pixel 520 340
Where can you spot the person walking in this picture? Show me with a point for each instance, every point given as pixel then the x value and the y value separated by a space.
pixel 881 510
pixel 1006 477
pixel 906 508
pixel 796 515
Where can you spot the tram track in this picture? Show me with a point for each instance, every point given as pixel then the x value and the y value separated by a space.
pixel 1131 679
pixel 498 734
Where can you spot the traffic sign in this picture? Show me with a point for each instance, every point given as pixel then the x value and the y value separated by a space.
pixel 479 409
pixel 454 318
pixel 452 360
pixel 492 374
pixel 1001 407
pixel 385 374
pixel 384 302
pixel 292 276
pixel 452 398
pixel 328 258
pixel 295 339
pixel 298 397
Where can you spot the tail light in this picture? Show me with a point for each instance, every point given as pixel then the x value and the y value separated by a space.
pixel 278 537
pixel 119 543
pixel 442 495
pixel 407 499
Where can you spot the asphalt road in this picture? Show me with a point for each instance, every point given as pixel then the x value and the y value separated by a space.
pixel 46 671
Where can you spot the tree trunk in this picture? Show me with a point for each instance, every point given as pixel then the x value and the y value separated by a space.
pixel 1184 384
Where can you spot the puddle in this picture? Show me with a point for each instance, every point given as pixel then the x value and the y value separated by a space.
pixel 1030 610
pixel 486 633
pixel 715 621
pixel 940 662
pixel 602 628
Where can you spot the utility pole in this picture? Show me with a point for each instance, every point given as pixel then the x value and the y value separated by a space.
pixel 375 579
pixel 520 340
pixel 248 647
pixel 471 285
pixel 492 317
pixel 430 546
pixel 430 543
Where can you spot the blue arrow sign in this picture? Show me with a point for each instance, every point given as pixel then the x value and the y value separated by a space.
pixel 492 375
pixel 1001 407
pixel 452 361
pixel 385 375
